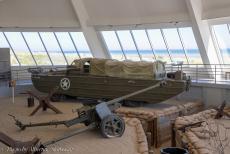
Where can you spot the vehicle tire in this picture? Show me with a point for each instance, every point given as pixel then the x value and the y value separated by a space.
pixel 112 126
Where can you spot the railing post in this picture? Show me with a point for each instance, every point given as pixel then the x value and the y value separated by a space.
pixel 17 76
pixel 196 73
pixel 215 74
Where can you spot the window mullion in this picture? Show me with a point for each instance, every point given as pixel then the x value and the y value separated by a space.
pixel 150 43
pixel 182 43
pixel 134 41
pixel 11 48
pixel 218 45
pixel 104 42
pixel 29 48
pixel 119 41
pixel 45 48
pixel 74 46
pixel 60 47
pixel 166 44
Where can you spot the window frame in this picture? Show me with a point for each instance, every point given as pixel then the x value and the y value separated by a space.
pixel 144 27
pixel 38 30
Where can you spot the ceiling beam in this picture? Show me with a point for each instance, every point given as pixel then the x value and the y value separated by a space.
pixel 90 33
pixel 202 32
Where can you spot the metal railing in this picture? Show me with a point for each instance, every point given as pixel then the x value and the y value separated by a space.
pixel 199 73
pixel 22 75
pixel 204 73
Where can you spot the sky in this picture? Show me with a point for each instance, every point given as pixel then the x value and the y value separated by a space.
pixel 222 35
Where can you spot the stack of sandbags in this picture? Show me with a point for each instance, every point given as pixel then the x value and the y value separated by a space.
pixel 203 138
pixel 191 107
pixel 136 113
pixel 196 146
pixel 201 116
pixel 167 111
pixel 141 137
pixel 212 137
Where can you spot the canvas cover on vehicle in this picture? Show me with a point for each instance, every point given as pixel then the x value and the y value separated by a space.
pixel 97 66
pixel 79 63
pixel 123 69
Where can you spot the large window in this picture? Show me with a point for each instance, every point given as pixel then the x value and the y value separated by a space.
pixel 128 45
pixel 222 35
pixel 5 44
pixel 171 45
pixel 44 48
pixel 20 48
pixel 191 48
pixel 34 42
pixel 113 45
pixel 158 43
pixel 143 45
pixel 174 45
pixel 52 46
pixel 67 46
pixel 81 44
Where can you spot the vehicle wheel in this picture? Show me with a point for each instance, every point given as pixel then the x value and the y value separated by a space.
pixel 112 126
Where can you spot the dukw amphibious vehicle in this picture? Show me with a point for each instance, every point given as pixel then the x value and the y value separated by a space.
pixel 107 79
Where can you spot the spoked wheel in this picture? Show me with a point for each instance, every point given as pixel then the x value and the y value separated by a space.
pixel 112 126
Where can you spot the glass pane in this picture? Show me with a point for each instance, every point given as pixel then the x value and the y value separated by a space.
pixel 143 45
pixel 128 45
pixel 34 42
pixel 190 45
pixel 159 45
pixel 223 39
pixel 53 48
pixel 175 46
pixel 19 46
pixel 4 44
pixel 81 44
pixel 113 45
pixel 67 46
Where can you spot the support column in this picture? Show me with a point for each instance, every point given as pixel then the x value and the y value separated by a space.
pixel 202 33
pixel 90 33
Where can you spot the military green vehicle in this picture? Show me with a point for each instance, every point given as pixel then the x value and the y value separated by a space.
pixel 107 79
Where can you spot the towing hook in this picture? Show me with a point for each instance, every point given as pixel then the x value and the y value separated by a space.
pixel 18 123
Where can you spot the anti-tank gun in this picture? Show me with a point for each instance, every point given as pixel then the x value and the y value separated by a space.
pixel 99 116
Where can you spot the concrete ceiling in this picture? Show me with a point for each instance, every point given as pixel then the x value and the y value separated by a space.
pixel 216 9
pixel 60 13
pixel 135 11
pixel 37 13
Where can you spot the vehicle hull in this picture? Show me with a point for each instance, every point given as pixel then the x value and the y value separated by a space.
pixel 103 87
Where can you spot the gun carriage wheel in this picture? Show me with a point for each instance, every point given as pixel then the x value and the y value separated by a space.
pixel 112 126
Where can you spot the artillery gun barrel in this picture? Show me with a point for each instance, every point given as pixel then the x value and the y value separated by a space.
pixel 116 100
pixel 78 131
